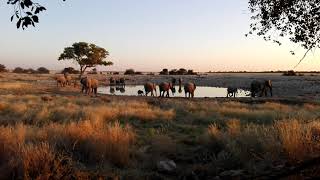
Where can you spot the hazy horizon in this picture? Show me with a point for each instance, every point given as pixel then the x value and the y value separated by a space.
pixel 206 35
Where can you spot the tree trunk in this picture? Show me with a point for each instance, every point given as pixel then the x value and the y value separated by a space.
pixel 82 70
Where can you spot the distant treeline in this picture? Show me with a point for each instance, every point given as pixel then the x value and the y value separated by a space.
pixel 281 72
pixel 180 71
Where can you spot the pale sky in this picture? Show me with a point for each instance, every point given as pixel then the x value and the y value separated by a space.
pixel 148 35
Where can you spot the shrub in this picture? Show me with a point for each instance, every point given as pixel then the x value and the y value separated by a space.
pixel 29 71
pixel 190 72
pixel 129 72
pixel 18 70
pixel 289 73
pixel 43 70
pixel 182 71
pixel 70 70
pixel 164 72
pixel 173 72
pixel 138 73
pixel 3 68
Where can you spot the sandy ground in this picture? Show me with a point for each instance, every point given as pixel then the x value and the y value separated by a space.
pixel 307 86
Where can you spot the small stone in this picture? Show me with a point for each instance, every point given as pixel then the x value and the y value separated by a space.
pixel 167 166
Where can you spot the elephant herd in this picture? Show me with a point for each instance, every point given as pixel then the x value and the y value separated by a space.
pixel 165 87
pixel 257 88
pixel 63 80
pixel 90 85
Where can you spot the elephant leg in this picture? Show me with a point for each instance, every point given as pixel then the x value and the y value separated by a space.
pixel 186 94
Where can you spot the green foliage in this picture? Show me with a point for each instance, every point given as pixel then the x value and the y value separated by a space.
pixel 86 55
pixel 296 19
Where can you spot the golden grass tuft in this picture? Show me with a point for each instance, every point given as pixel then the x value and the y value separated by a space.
pixel 233 127
pixel 299 140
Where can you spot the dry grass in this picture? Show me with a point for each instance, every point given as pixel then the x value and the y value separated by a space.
pixel 50 139
pixel 32 153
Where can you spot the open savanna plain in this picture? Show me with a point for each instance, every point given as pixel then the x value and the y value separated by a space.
pixel 49 132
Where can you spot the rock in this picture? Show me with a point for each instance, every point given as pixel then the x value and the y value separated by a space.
pixel 167 166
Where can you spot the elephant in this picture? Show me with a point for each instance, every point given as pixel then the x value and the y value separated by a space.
pixel 140 92
pixel 68 78
pixel 165 87
pixel 112 81
pixel 189 89
pixel 122 89
pixel 180 85
pixel 261 87
pixel 232 91
pixel 150 87
pixel 122 81
pixel 173 81
pixel 112 90
pixel 89 85
pixel 61 80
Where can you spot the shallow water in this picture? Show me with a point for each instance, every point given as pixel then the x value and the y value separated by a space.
pixel 201 91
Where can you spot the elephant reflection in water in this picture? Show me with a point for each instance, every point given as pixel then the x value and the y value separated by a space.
pixel 112 90
pixel 121 89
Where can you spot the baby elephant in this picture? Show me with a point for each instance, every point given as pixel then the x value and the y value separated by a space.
pixel 232 91
pixel 140 92
pixel 165 87
pixel 61 80
pixel 189 89
pixel 150 87
pixel 261 87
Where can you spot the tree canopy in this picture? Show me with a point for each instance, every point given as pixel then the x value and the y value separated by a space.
pixel 86 55
pixel 299 20
pixel 25 12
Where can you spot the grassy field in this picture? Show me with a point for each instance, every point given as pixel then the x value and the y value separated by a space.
pixel 57 133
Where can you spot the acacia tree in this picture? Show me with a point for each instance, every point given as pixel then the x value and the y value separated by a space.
pixel 299 20
pixel 86 55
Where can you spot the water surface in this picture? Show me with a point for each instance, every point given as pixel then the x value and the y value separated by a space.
pixel 201 91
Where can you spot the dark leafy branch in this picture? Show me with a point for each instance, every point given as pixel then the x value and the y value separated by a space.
pixel 299 20
pixel 25 12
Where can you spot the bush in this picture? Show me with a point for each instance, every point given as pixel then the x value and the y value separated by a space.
pixel 3 68
pixel 70 70
pixel 173 72
pixel 190 72
pixel 43 70
pixel 182 71
pixel 138 73
pixel 129 72
pixel 164 72
pixel 289 73
pixel 29 71
pixel 18 70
